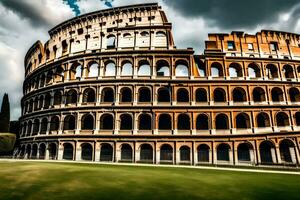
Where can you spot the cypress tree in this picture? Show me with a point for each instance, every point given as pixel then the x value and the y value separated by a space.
pixel 5 115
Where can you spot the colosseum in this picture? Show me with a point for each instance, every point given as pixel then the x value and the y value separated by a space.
pixel 111 86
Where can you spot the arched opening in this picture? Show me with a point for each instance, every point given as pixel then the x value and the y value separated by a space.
pixel 272 71
pixel 201 95
pixel 287 151
pixel 71 97
pixel 86 151
pixel 108 95
pixel 239 95
pixel 89 95
pixel 202 122
pixel 68 151
pixel 288 72
pixel 76 71
pixel 93 69
pixel 203 153
pixel 126 95
pixel 266 149
pixel 223 152
pixel 54 123
pixel 145 122
pixel 28 151
pixel 42 151
pixel 59 74
pixel 294 95
pixel 44 126
pixel 162 68
pixel 34 151
pixel 164 95
pixel 110 69
pixel 254 71
pixel 235 70
pixel 277 94
pixel 126 122
pixel 107 122
pixel 263 120
pixel 219 95
pixel 200 66
pixel 36 127
pixel 183 122
pixel 242 121
pixel 29 128
pixel 166 153
pixel 144 94
pixel 87 122
pixel 41 101
pixel 52 148
pixel 106 153
pixel 216 70
pixel 144 68
pixel 69 122
pixel 182 95
pixel 164 122
pixel 146 153
pixel 127 69
pixel 42 80
pixel 222 122
pixel 259 94
pixel 49 77
pixel 57 98
pixel 297 116
pixel 181 69
pixel 282 119
pixel 47 101
pixel 185 154
pixel 243 151
pixel 126 153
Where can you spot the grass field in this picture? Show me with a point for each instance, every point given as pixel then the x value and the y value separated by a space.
pixel 41 181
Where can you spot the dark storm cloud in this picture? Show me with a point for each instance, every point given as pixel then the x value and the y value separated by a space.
pixel 233 13
pixel 26 10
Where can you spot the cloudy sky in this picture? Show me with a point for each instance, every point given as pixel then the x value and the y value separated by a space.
pixel 22 22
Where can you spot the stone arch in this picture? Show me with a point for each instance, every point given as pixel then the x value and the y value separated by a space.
pixel 277 94
pixel 87 122
pixel 267 152
pixel 219 95
pixel 166 153
pixel 107 122
pixel 68 152
pixel 86 151
pixel 183 95
pixel 34 151
pixel 126 122
pixel 110 68
pixel 254 71
pixel 126 153
pixel 54 123
pixel 108 95
pixel 259 94
pixel 201 95
pixel 127 68
pixel 297 118
pixel 144 68
pixel 69 122
pixel 203 151
pixel 216 69
pixel 244 151
pixel 89 95
pixel 272 71
pixel 282 119
pixel 235 70
pixel 288 71
pixel 239 95
pixel 42 151
pixel 185 153
pixel 162 68
pixel 93 69
pixel 222 122
pixel 263 120
pixel 144 94
pixel 223 151
pixel 71 97
pixel 146 153
pixel 106 153
pixel 164 94
pixel 294 94
pixel 287 151
pixel 164 122
pixel 36 127
pixel 126 94
pixel 202 122
pixel 52 148
pixel 183 122
pixel 145 122
pixel 242 121
pixel 181 69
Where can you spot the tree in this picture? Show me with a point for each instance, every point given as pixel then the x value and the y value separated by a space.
pixel 5 115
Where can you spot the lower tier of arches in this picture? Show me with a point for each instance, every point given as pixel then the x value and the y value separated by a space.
pixel 277 150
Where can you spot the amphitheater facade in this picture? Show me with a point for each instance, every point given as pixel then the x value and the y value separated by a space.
pixel 111 86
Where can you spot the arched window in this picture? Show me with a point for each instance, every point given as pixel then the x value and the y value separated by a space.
pixel 162 68
pixel 164 122
pixel 297 116
pixel 294 95
pixel 242 121
pixel 239 95
pixel 49 77
pixel 144 95
pixel 146 153
pixel 44 126
pixel 42 80
pixel 272 71
pixel 185 153
pixel 54 123
pixel 266 149
pixel 166 153
pixel 42 151
pixel 108 95
pixel 203 153
pixel 243 151
pixel 41 101
pixel 201 67
pixel 145 122
pixel 235 70
pixel 287 148
pixel 52 148
pixel 106 153
pixel 202 122
pixel 111 41
pixel 222 122
pixel 71 97
pixel 182 95
pixel 259 94
pixel 127 69
pixel 219 95
pixel 183 122
pixel 36 103
pixel 68 151
pixel 93 69
pixel 86 151
pixel 277 94
pixel 89 95
pixel 288 71
pixel 69 122
pixel 216 70
pixel 59 74
pixel 223 152
pixel 126 152
pixel 34 151
pixel 36 127
pixel 282 119
pixel 263 120
pixel 164 95
pixel 126 122
pixel 181 69
pixel 47 101
pixel 57 98
pixel 126 95
pixel 87 122
pixel 110 69
pixel 107 122
pixel 201 95
pixel 144 68
pixel 78 72
pixel 254 71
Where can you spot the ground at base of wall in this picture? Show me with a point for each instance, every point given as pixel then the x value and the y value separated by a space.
pixel 45 180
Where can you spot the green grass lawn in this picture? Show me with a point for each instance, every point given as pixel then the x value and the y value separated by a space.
pixel 33 180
